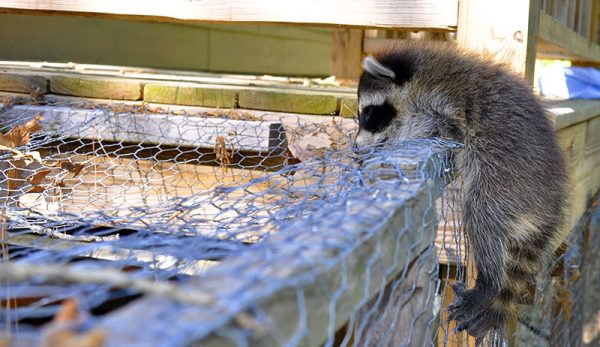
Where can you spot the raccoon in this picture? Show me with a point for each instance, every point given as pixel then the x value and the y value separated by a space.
pixel 513 172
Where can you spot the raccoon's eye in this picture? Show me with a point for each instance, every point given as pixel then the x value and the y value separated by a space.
pixel 376 118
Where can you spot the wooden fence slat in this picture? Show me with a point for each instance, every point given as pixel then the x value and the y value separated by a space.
pixel 440 14
pixel 555 41
pixel 501 30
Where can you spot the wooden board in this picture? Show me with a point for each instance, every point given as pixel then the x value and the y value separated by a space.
pixel 347 54
pixel 378 13
pixel 112 252
pixel 504 31
pixel 566 113
pixel 556 41
pixel 164 129
pixel 23 83
pixel 102 88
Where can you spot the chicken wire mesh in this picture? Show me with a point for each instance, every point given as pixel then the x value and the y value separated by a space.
pixel 131 227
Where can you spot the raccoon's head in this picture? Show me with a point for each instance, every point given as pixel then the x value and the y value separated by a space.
pixel 391 104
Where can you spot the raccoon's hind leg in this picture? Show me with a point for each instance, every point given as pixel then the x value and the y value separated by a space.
pixel 488 230
pixel 497 291
pixel 477 314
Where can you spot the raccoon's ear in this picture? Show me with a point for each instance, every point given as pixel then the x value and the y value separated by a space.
pixel 375 68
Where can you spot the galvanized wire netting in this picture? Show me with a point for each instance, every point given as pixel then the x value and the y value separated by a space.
pixel 152 229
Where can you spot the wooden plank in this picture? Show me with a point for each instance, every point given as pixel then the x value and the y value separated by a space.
pixel 501 30
pixel 572 15
pixel 561 13
pixel 187 94
pixel 196 47
pixel 584 18
pixel 22 83
pixel 566 113
pixel 406 302
pixel 101 88
pixel 268 51
pixel 164 129
pixel 347 54
pixel 380 13
pixel 582 152
pixel 288 101
pixel 595 22
pixel 555 41
pixel 113 252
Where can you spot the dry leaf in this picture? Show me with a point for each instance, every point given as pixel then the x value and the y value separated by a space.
pixel 75 169
pixel 36 189
pixel 19 135
pixel 37 178
pixel 310 145
pixel 222 153
pixel 14 175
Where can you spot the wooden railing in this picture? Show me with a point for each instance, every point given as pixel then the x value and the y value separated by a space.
pixel 512 31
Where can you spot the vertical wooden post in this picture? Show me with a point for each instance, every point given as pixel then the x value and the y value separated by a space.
pixel 347 54
pixel 505 31
pixel 595 25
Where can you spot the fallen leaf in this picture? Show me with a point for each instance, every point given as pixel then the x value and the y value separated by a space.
pixel 37 178
pixel 75 169
pixel 310 145
pixel 14 175
pixel 36 189
pixel 19 135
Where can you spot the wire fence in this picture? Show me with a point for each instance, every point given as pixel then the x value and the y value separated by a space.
pixel 139 227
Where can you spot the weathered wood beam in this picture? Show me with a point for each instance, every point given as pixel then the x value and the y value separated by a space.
pixel 504 31
pixel 347 53
pixel 556 41
pixel 377 13
pixel 161 129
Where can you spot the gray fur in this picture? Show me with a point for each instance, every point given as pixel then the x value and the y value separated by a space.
pixel 372 66
pixel 512 167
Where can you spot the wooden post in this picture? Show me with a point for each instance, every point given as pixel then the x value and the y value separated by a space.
pixel 595 23
pixel 505 31
pixel 347 54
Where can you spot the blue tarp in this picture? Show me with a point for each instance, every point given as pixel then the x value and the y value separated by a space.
pixel 571 83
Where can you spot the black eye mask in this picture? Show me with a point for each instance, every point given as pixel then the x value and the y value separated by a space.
pixel 377 117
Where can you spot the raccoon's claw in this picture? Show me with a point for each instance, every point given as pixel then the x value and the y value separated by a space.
pixel 482 323
pixel 473 312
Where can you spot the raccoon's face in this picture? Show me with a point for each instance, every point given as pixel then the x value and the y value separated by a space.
pixel 387 109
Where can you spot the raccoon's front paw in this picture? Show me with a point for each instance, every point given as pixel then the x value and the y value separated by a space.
pixel 473 311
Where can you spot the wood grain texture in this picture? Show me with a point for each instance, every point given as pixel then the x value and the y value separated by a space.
pixel 347 52
pixel 556 41
pixel 376 13
pixel 23 83
pixel 501 30
pixel 595 23
pixel 310 102
pixel 188 94
pixel 164 129
pixel 100 88
pixel 234 48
